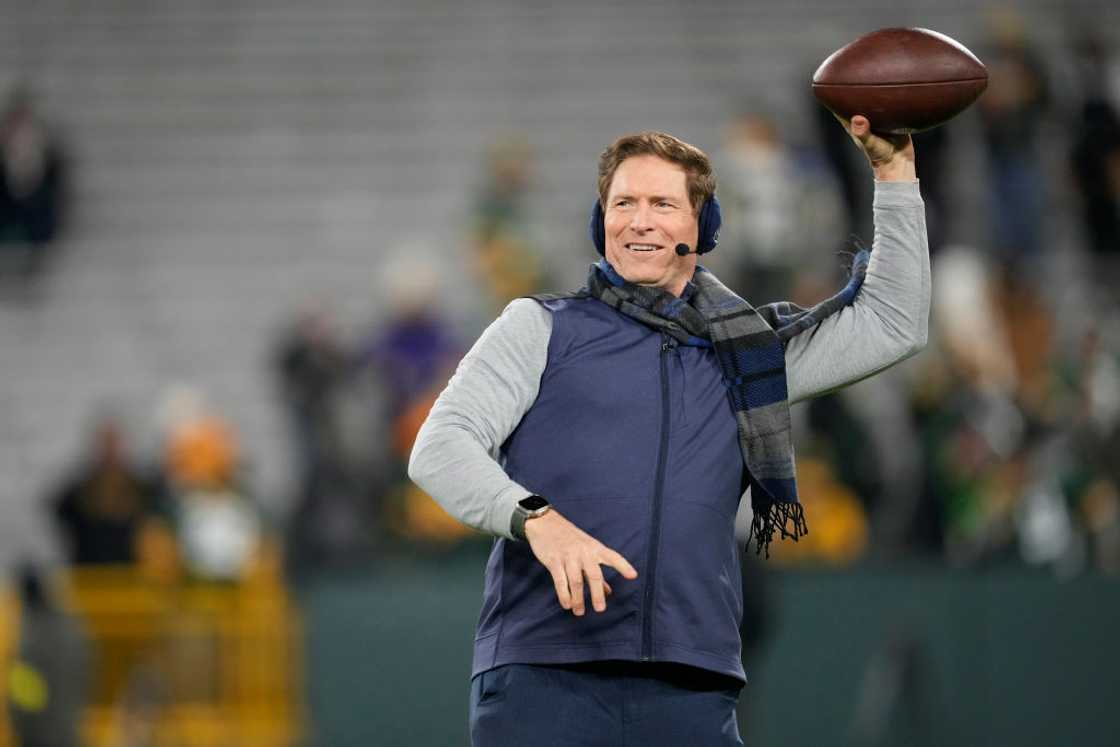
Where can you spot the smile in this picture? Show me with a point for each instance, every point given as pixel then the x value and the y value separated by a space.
pixel 643 247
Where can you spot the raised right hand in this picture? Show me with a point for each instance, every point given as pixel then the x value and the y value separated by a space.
pixel 891 156
pixel 569 554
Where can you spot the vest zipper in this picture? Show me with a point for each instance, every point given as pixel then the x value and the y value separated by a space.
pixel 667 345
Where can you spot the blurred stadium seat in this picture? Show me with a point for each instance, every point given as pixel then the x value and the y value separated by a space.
pixel 191 665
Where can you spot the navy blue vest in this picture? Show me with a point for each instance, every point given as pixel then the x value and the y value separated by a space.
pixel 632 438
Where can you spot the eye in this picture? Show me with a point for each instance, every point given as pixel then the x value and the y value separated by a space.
pixel 665 204
pixel 622 202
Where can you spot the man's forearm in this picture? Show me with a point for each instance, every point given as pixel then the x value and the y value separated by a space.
pixel 889 318
pixel 449 463
pixel 455 455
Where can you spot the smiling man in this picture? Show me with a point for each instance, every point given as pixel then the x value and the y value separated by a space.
pixel 606 436
pixel 648 212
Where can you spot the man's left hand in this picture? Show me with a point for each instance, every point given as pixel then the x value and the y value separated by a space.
pixel 891 156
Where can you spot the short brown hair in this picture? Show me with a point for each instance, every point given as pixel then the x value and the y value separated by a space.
pixel 697 167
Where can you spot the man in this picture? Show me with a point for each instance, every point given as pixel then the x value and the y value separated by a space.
pixel 49 674
pixel 103 511
pixel 33 171
pixel 606 438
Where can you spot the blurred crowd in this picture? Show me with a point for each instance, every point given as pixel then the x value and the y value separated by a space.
pixel 189 517
pixel 991 446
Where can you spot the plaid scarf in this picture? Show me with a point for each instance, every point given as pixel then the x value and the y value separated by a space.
pixel 749 345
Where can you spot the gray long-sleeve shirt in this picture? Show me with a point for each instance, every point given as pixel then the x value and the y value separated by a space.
pixel 456 455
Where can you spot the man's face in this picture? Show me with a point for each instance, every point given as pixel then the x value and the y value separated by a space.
pixel 646 215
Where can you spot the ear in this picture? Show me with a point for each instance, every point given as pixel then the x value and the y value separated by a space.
pixel 596 230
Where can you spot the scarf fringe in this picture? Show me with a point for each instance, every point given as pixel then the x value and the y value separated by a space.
pixel 774 517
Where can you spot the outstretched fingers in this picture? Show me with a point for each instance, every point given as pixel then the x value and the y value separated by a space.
pixel 575 583
pixel 597 587
pixel 619 563
pixel 560 581
pixel 595 584
pixel 571 555
pixel 569 576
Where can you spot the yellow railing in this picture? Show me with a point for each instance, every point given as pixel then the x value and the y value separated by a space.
pixel 192 664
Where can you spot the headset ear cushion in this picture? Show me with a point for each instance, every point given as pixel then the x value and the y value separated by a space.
pixel 711 219
pixel 596 230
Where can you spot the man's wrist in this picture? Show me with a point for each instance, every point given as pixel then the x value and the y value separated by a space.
pixel 895 170
pixel 524 510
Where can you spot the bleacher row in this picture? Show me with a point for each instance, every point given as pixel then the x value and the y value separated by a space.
pixel 234 159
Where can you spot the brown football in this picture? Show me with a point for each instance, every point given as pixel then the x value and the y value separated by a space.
pixel 902 80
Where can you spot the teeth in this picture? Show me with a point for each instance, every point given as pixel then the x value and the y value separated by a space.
pixel 642 247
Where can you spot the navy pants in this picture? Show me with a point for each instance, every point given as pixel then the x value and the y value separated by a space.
pixel 612 704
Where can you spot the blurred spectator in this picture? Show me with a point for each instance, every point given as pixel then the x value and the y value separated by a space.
pixel 339 468
pixel 933 172
pixel 1096 166
pixel 1011 112
pixel 1093 477
pixel 311 365
pixel 503 251
pixel 505 266
pixel 219 529
pixel 103 511
pixel 413 354
pixel 336 522
pixel 48 678
pixel 500 206
pixel 32 179
pixel 836 145
pixel 840 523
pixel 415 348
pixel 1095 155
pixel 840 437
pixel 972 428
pixel 967 318
pixel 777 207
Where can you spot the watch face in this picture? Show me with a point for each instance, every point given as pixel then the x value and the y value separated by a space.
pixel 532 503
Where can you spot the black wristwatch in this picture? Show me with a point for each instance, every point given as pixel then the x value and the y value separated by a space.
pixel 527 508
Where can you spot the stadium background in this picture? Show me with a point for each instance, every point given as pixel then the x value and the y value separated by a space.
pixel 239 172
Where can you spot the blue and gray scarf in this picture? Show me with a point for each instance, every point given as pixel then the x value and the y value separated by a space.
pixel 749 345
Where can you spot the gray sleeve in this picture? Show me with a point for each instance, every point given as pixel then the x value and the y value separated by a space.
pixel 455 457
pixel 888 320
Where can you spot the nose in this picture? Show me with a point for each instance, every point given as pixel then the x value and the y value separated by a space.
pixel 641 218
